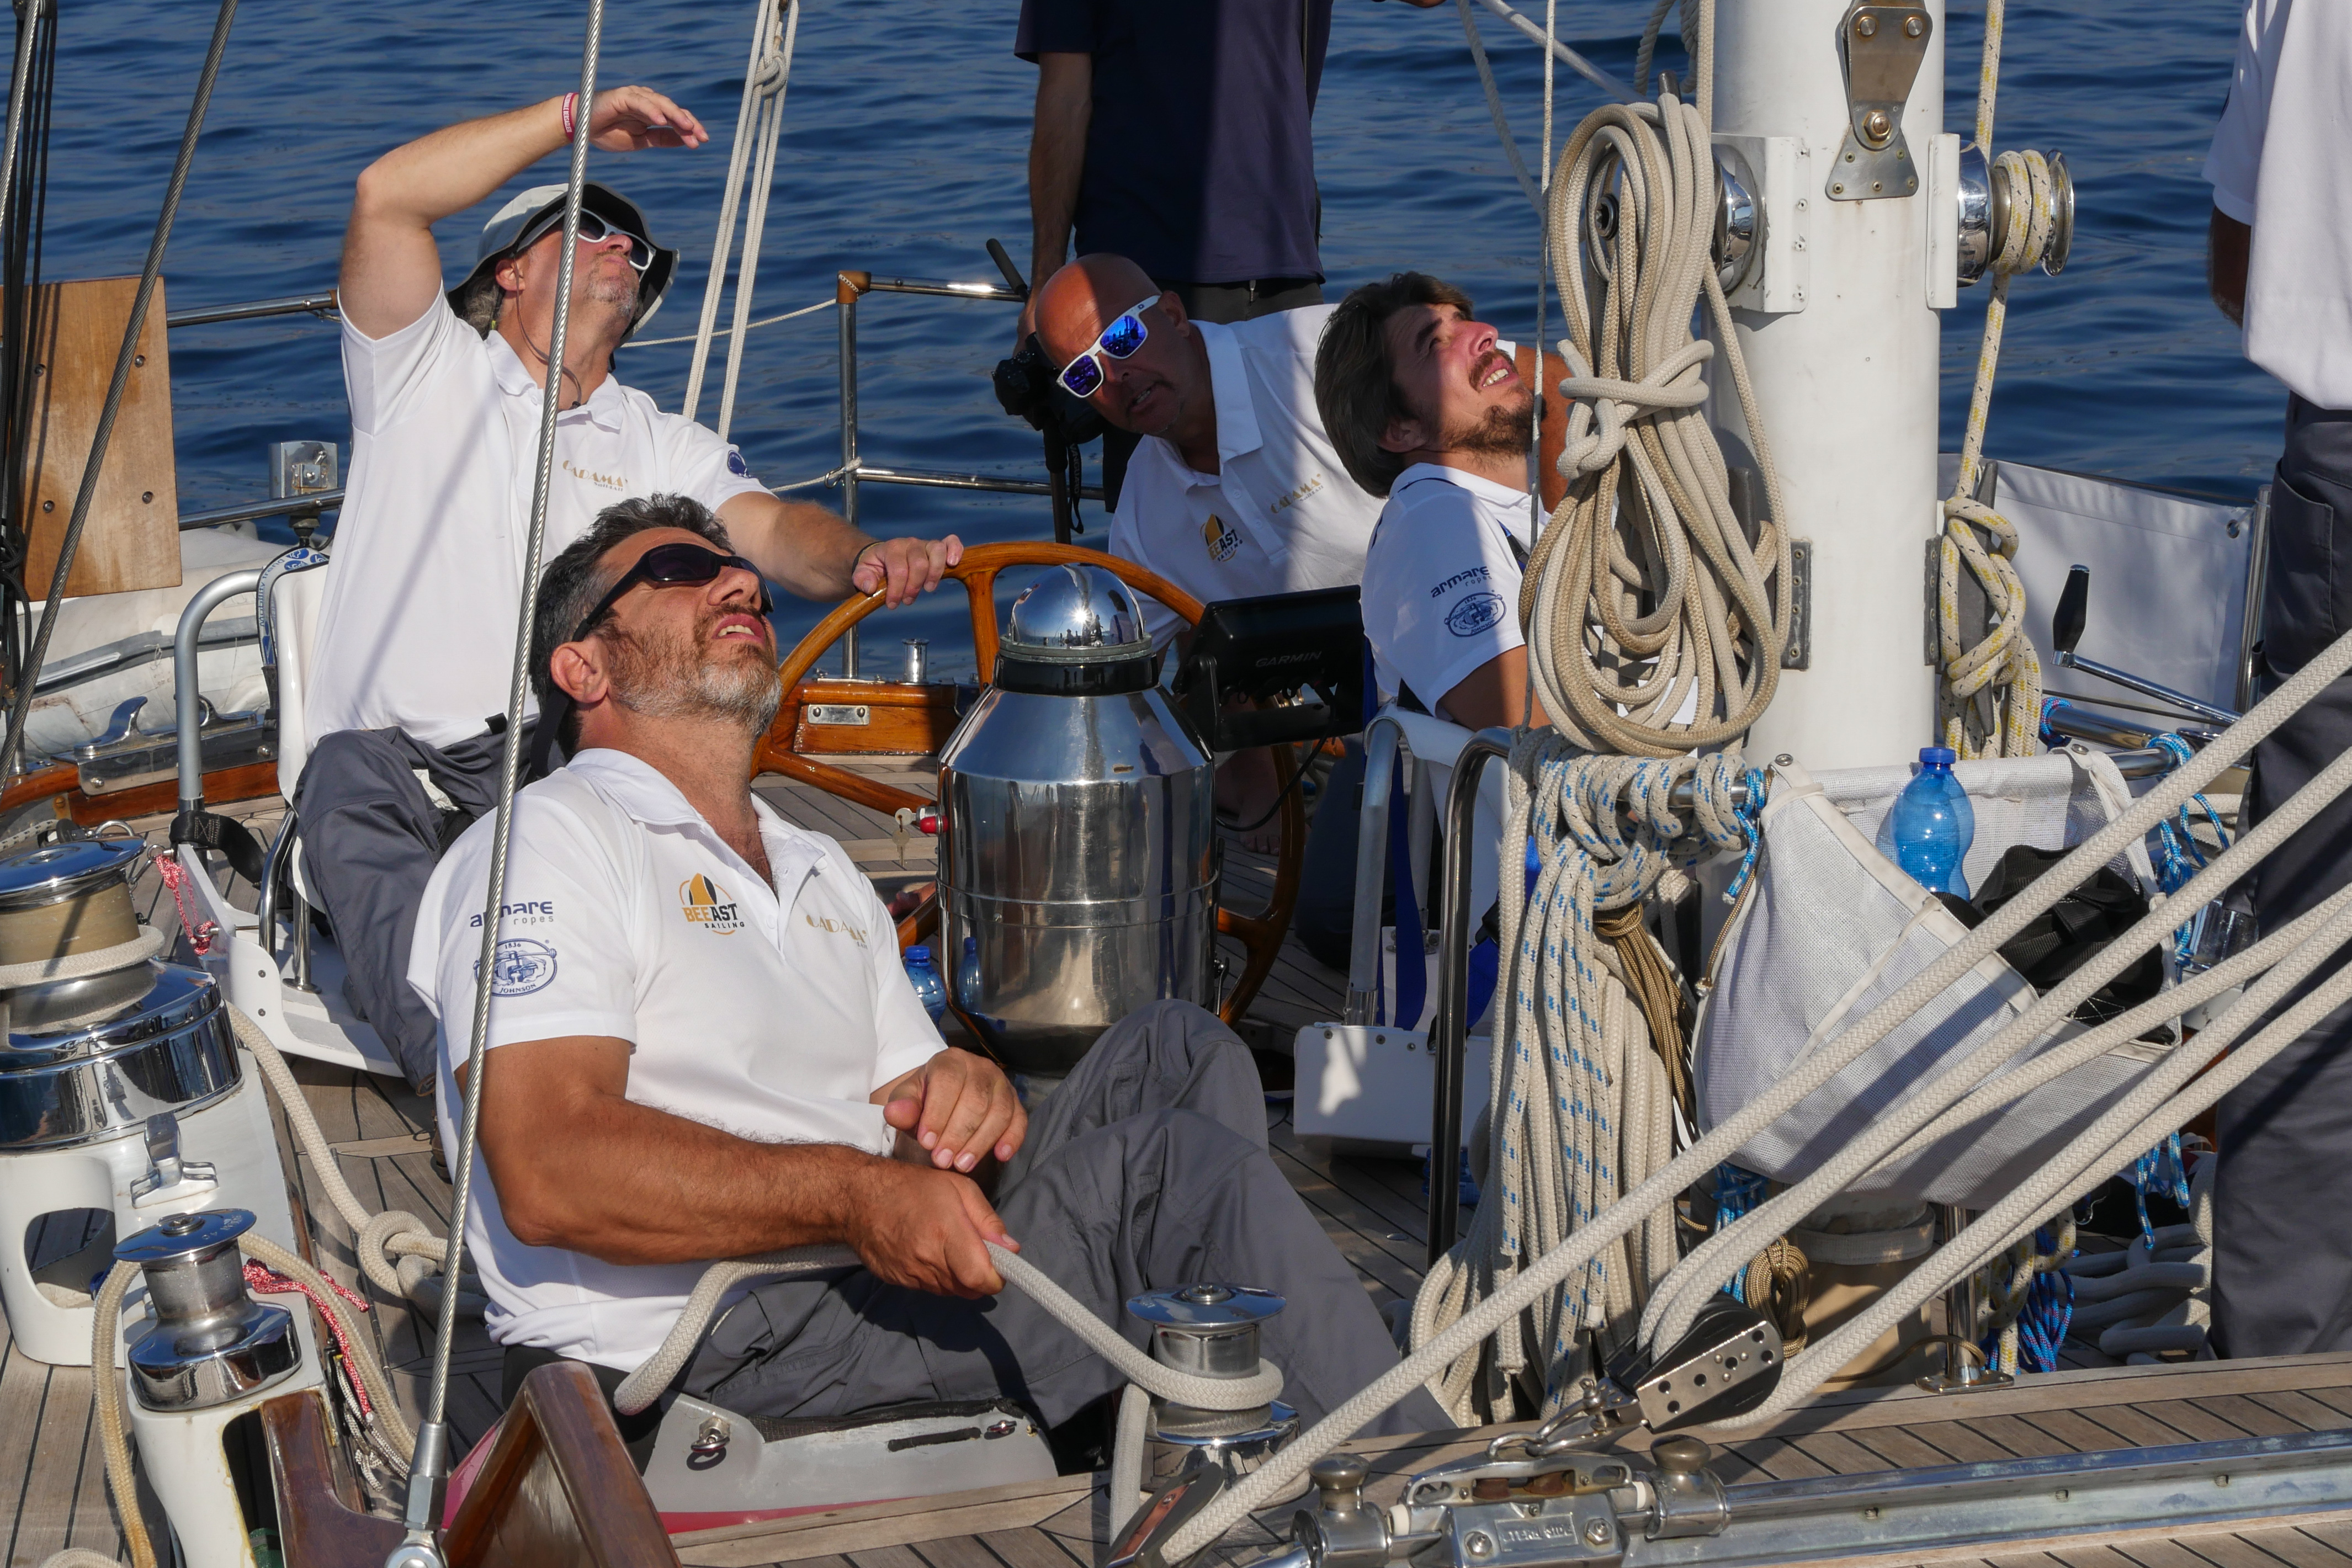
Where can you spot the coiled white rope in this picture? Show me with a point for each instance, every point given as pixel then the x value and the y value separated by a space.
pixel 1644 602
pixel 1579 1108
pixel 397 1250
pixel 2004 662
pixel 1271 1481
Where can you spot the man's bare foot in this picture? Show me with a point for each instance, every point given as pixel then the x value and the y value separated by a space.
pixel 1246 792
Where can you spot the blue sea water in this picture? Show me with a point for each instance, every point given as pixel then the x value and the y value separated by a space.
pixel 904 150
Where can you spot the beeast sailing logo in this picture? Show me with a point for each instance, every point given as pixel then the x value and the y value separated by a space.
pixel 1221 538
pixel 1475 614
pixel 704 903
pixel 520 967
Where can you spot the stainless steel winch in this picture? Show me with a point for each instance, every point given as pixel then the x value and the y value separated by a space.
pixel 115 1038
pixel 1077 834
pixel 208 1341
pixel 1212 1331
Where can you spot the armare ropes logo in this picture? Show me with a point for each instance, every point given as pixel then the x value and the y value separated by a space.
pixel 704 904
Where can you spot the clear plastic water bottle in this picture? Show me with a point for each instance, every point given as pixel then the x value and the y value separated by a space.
pixel 968 974
pixel 930 989
pixel 1934 825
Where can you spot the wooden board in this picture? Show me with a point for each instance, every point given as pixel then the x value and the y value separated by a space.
pixel 131 538
pixel 874 719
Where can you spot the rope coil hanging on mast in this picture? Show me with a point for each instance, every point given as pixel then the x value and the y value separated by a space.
pixel 1988 693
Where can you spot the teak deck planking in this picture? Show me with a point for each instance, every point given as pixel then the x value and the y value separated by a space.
pixel 1374 1213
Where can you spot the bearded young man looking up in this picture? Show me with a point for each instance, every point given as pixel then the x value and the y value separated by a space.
pixel 702 1045
pixel 1427 409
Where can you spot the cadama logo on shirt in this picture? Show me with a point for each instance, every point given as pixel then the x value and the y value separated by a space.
pixel 704 904
pixel 1221 538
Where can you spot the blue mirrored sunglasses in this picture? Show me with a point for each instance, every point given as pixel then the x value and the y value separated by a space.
pixel 1119 340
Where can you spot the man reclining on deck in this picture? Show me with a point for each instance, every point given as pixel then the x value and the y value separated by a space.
pixel 416 635
pixel 704 1046
pixel 1427 409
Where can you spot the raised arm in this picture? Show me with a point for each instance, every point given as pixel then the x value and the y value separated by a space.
pixel 391 268
pixel 557 1123
pixel 813 552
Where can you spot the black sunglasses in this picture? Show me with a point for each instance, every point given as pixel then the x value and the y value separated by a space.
pixel 671 565
pixel 663 565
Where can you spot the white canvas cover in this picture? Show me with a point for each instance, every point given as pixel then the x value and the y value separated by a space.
pixel 1832 927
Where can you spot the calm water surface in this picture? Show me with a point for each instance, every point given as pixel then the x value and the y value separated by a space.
pixel 904 150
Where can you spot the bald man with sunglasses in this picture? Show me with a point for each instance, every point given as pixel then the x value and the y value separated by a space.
pixel 408 679
pixel 1236 490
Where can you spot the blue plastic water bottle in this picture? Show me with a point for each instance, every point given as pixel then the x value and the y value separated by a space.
pixel 968 974
pixel 930 989
pixel 1933 824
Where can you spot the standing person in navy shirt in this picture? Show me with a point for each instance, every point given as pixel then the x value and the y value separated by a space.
pixel 1179 133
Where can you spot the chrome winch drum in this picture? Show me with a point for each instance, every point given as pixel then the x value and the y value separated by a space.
pixel 210 1342
pixel 1077 837
pixel 93 1055
pixel 1212 1330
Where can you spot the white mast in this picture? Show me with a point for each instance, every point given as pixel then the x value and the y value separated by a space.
pixel 1840 328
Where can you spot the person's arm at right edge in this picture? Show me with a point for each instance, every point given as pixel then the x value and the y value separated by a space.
pixel 2228 245
pixel 391 268
pixel 1057 158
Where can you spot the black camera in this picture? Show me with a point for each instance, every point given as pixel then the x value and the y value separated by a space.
pixel 1029 389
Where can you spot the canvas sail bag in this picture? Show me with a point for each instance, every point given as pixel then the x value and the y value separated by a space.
pixel 1831 926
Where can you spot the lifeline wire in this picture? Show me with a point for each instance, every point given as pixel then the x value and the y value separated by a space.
pixel 431 1460
pixel 94 469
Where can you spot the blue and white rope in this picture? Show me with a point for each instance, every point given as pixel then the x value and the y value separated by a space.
pixel 1578 1111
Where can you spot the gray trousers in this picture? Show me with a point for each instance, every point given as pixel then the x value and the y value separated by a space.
pixel 2283 1194
pixel 1147 1169
pixel 371 838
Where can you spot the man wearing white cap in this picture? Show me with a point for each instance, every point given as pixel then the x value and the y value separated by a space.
pixel 417 635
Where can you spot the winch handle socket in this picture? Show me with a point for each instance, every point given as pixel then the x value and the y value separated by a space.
pixel 1340 1477
pixel 1680 1456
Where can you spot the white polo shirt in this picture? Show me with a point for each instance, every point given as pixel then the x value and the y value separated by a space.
pixel 1441 580
pixel 1280 516
pixel 424 591
pixel 2279 163
pixel 772 1012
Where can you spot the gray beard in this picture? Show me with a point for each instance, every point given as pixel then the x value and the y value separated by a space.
pixel 667 681
pixel 619 293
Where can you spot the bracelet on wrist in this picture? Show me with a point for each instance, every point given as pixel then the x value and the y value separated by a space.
pixel 570 106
